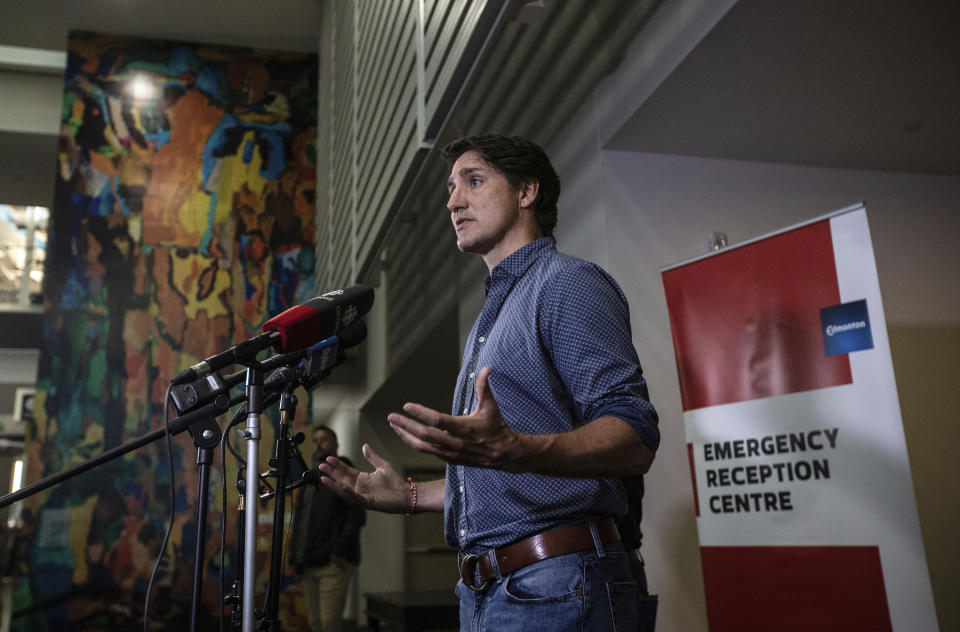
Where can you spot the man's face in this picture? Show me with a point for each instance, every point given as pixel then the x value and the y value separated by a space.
pixel 325 444
pixel 484 209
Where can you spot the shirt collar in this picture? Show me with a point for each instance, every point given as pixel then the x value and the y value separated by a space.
pixel 515 264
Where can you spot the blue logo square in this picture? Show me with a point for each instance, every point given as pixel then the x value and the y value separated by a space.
pixel 846 328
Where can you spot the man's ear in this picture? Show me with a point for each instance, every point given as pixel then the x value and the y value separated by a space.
pixel 528 193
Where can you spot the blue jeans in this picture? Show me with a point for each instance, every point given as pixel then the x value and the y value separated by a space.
pixel 579 592
pixel 646 603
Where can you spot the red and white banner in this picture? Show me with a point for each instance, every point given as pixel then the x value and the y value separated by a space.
pixel 805 505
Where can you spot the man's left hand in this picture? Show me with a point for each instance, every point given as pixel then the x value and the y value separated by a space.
pixel 480 439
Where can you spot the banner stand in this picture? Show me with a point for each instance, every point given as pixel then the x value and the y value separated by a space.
pixel 805 507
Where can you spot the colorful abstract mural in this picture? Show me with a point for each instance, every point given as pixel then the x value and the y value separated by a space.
pixel 183 218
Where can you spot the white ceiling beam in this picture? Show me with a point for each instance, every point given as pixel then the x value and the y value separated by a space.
pixel 38 60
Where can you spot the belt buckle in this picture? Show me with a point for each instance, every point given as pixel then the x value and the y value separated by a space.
pixel 467 565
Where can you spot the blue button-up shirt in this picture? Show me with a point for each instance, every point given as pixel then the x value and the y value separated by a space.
pixel 555 331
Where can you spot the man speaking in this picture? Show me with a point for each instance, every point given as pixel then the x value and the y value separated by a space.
pixel 550 417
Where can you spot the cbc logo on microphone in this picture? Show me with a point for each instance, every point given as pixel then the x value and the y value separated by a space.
pixel 349 315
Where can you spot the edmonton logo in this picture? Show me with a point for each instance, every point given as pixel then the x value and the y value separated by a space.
pixel 835 329
pixel 846 328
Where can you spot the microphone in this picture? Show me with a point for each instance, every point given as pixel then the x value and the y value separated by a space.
pixel 292 330
pixel 319 359
pixel 240 352
pixel 320 317
pixel 204 390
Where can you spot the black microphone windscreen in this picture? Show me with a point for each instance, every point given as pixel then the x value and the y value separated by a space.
pixel 353 335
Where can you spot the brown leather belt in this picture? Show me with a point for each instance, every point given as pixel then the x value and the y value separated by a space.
pixel 537 547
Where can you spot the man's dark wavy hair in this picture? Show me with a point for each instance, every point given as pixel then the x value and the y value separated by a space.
pixel 519 160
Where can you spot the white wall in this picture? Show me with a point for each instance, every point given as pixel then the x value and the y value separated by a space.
pixel 30 102
pixel 658 210
pixel 914 218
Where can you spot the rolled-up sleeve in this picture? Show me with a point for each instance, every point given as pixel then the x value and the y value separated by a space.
pixel 585 324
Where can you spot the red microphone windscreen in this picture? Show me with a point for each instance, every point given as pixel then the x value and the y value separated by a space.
pixel 297 326
pixel 320 317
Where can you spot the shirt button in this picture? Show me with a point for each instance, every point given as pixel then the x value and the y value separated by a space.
pixel 466 411
pixel 482 339
pixel 463 532
pixel 472 375
pixel 461 489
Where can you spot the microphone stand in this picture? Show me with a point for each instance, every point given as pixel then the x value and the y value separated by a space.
pixel 254 391
pixel 280 464
pixel 206 435
pixel 201 422
pixel 285 447
pixel 234 599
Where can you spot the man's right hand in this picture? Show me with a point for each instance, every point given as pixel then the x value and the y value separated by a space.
pixel 382 489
